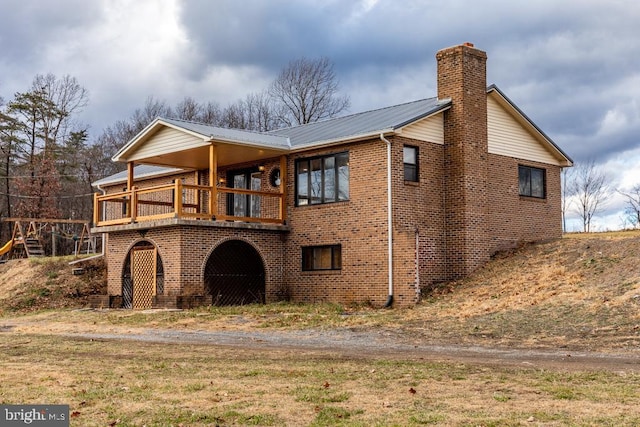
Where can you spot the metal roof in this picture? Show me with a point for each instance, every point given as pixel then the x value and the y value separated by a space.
pixel 231 135
pixel 361 124
pixel 139 172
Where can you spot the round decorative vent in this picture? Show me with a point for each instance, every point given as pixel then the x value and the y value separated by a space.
pixel 274 177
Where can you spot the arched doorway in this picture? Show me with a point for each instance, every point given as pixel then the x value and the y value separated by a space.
pixel 142 276
pixel 235 275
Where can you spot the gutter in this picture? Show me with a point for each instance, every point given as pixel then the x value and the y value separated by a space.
pixel 389 223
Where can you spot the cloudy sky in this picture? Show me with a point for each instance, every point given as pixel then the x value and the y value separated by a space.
pixel 573 66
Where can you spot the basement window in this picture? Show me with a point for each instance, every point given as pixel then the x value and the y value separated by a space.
pixel 319 258
pixel 532 182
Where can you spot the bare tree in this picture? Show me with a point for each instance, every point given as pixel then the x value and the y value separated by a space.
pixel 632 209
pixel 260 110
pixel 69 98
pixel 210 114
pixel 306 91
pixel 255 112
pixel 591 188
pixel 153 108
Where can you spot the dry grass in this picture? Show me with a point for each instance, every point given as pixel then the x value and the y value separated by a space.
pixel 106 383
pixel 28 285
pixel 581 292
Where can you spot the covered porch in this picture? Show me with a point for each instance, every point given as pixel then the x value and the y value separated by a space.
pixel 220 175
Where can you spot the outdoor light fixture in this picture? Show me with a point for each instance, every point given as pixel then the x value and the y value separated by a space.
pixel 261 168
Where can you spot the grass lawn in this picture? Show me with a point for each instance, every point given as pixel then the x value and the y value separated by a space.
pixel 135 384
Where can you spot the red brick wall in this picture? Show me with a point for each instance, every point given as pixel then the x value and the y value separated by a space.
pixel 514 219
pixel 419 220
pixel 184 251
pixel 358 224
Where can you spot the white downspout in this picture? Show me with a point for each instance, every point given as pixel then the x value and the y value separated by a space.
pixel 389 222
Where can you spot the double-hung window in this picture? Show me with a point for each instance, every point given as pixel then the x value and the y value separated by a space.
pixel 410 160
pixel 323 179
pixel 532 182
pixel 315 258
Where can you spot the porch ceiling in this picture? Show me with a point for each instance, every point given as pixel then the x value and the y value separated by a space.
pixel 198 158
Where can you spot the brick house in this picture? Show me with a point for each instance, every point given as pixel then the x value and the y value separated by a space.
pixel 370 207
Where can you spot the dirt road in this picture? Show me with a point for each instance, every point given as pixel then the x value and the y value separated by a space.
pixel 342 342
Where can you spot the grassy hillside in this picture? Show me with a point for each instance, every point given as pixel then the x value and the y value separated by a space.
pixel 43 283
pixel 579 292
pixel 582 290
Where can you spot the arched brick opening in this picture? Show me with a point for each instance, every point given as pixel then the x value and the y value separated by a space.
pixel 234 274
pixel 143 276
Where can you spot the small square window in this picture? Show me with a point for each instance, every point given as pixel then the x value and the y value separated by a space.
pixel 410 160
pixel 532 182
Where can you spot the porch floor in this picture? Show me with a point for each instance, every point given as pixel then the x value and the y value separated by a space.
pixel 172 222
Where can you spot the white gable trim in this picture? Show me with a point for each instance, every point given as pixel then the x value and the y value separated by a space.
pixel 165 141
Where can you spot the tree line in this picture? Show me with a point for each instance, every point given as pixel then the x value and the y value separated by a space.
pixel 49 160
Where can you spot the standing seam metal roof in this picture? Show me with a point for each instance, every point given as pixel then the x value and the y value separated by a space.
pixel 227 134
pixel 364 123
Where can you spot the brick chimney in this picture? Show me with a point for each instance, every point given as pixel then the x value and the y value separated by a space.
pixel 462 77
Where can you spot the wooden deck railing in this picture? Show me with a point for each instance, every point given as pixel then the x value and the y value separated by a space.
pixel 180 200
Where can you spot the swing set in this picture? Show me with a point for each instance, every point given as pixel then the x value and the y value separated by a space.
pixel 27 239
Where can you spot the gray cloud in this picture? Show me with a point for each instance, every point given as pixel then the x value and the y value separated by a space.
pixel 27 26
pixel 573 66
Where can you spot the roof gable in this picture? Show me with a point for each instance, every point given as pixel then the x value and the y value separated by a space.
pixel 511 133
pixel 166 140
pixel 155 140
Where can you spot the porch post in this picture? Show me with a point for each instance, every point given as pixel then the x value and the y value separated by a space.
pixel 130 166
pixel 196 201
pixel 96 206
pixel 177 204
pixel 213 180
pixel 283 188
pixel 130 188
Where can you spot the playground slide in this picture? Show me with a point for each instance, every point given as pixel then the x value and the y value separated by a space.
pixel 6 248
